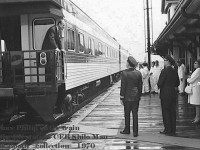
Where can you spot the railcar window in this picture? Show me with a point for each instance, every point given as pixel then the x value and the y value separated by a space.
pixel 93 47
pixel 66 5
pixel 112 53
pixel 107 52
pixel 103 50
pixel 99 49
pixel 71 9
pixel 81 42
pixel 71 40
pixel 89 44
pixel 40 27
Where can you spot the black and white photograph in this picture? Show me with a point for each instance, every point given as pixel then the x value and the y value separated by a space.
pixel 99 74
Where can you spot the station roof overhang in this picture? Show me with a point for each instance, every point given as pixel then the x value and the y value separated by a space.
pixel 183 26
pixel 17 7
pixel 166 4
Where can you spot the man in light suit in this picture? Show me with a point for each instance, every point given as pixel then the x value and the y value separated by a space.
pixel 130 94
pixel 145 78
pixel 181 75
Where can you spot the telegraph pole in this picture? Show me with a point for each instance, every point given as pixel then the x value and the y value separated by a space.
pixel 148 35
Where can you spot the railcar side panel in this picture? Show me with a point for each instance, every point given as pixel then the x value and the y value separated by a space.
pixel 82 69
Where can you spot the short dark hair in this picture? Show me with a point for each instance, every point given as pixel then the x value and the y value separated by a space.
pixel 170 59
pixel 145 64
pixel 131 64
pixel 60 21
pixel 198 61
pixel 157 63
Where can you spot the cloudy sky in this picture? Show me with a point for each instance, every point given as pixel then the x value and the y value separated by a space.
pixel 124 20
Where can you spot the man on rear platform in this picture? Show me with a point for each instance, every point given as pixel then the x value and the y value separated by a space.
pixel 53 36
pixel 52 41
pixel 130 94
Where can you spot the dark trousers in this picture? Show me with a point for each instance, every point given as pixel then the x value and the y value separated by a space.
pixel 169 115
pixel 128 107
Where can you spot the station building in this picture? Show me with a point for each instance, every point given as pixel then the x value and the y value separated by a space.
pixel 181 36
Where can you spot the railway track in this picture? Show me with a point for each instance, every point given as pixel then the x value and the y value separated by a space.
pixel 23 131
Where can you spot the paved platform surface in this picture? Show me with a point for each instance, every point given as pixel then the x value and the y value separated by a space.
pixel 97 126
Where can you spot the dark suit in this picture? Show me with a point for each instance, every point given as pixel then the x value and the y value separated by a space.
pixel 167 83
pixel 52 39
pixel 130 94
pixel 51 42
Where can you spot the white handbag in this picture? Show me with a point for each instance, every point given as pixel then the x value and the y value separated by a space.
pixel 188 89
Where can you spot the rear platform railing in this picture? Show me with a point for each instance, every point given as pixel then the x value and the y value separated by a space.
pixel 31 68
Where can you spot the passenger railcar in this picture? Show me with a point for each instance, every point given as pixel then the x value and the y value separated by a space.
pixel 90 59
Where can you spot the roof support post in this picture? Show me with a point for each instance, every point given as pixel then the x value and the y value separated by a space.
pixel 148 35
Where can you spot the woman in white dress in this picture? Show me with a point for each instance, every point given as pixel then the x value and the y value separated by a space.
pixel 145 78
pixel 194 97
pixel 152 77
pixel 157 72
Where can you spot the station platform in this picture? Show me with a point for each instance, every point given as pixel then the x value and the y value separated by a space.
pixel 98 125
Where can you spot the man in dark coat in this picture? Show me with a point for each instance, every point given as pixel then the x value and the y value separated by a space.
pixel 53 36
pixel 130 94
pixel 168 83
pixel 52 41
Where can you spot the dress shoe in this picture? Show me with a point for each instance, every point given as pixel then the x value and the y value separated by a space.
pixel 163 132
pixel 135 134
pixel 192 120
pixel 124 132
pixel 196 121
pixel 170 134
